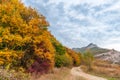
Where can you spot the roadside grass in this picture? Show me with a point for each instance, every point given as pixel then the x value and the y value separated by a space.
pixel 60 74
pixel 104 69
pixel 112 79
pixel 57 74
pixel 13 75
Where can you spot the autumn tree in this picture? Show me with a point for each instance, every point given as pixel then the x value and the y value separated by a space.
pixel 75 56
pixel 26 42
pixel 23 36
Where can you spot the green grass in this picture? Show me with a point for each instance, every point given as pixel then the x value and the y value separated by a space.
pixel 103 75
pixel 112 79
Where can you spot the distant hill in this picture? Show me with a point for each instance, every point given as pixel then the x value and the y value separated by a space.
pixel 101 53
pixel 112 56
pixel 93 48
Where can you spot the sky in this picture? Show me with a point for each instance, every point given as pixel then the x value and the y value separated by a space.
pixel 76 23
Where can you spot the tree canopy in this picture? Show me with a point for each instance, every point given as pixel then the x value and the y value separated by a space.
pixel 25 40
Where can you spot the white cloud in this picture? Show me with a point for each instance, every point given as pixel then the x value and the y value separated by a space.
pixel 114 7
pixel 66 2
pixel 95 2
pixel 76 23
pixel 77 2
pixel 115 46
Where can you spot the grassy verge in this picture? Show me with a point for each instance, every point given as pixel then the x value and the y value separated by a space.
pixel 13 75
pixel 60 74
pixel 103 75
pixel 57 74
pixel 104 69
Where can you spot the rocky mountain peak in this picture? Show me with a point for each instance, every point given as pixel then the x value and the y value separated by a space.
pixel 91 45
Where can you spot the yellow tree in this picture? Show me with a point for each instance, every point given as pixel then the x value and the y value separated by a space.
pixel 75 56
pixel 23 35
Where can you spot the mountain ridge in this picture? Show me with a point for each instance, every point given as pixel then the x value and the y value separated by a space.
pixel 93 48
pixel 110 55
pixel 91 45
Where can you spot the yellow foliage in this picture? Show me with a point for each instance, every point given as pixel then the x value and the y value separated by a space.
pixel 23 29
pixel 24 35
pixel 8 56
pixel 75 57
pixel 0 39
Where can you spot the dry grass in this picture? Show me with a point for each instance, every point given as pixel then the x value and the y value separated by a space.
pixel 13 75
pixel 57 74
pixel 105 69
pixel 60 74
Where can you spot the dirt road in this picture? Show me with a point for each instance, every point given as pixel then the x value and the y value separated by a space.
pixel 76 71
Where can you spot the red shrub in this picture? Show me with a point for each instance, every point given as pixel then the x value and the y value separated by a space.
pixel 39 66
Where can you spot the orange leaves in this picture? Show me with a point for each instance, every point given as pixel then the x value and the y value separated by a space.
pixel 23 29
pixel 14 21
pixel 8 56
pixel 0 39
pixel 24 39
pixel 34 22
pixel 75 57
pixel 43 22
pixel 43 46
pixel 4 19
pixel 48 55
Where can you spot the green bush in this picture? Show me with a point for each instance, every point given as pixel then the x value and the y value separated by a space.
pixel 60 49
pixel 63 60
pixel 87 59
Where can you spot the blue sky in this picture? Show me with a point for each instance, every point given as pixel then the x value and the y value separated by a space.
pixel 76 23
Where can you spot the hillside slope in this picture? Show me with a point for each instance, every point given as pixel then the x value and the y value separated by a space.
pixel 112 56
pixel 101 53
pixel 93 48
